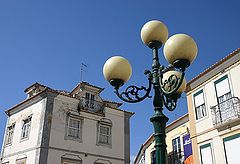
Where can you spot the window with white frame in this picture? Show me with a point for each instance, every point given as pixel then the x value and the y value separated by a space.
pixel 225 103
pixel 223 90
pixel 89 102
pixel 10 132
pixel 26 128
pixel 21 161
pixel 206 154
pixel 74 127
pixel 200 107
pixel 92 97
pixel 104 134
pixel 232 148
pixel 176 144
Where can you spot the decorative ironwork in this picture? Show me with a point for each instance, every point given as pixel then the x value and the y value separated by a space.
pixel 170 104
pixel 226 111
pixel 91 105
pixel 172 84
pixel 133 94
pixel 165 94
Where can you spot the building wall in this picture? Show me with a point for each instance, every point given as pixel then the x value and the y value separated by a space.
pixel 148 151
pixel 88 149
pixel 179 131
pixel 48 142
pixel 193 132
pixel 177 128
pixel 203 131
pixel 25 148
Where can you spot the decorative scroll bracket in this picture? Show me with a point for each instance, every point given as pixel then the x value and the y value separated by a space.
pixel 132 93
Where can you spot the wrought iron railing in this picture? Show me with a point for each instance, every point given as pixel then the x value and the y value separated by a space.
pixel 91 105
pixel 225 111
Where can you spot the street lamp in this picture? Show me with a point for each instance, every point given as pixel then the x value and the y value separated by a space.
pixel 167 82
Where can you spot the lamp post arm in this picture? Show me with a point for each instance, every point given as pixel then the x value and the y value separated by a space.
pixel 134 94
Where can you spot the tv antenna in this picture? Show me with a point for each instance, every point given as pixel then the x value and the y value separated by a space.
pixel 82 69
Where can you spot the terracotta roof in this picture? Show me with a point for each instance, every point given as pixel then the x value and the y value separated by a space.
pixel 24 101
pixel 86 83
pixel 118 104
pixel 36 83
pixel 215 65
pixel 132 113
pixel 61 92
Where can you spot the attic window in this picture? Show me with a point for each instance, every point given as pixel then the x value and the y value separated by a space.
pixel 89 100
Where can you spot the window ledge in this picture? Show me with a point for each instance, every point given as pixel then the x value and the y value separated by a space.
pixel 105 145
pixel 24 139
pixel 73 139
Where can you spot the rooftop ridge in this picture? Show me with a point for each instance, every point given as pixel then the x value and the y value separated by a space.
pixel 214 65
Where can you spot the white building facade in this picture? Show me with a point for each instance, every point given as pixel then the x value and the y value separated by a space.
pixel 76 127
pixel 214 112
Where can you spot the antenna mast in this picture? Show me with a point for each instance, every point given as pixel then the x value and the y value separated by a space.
pixel 82 69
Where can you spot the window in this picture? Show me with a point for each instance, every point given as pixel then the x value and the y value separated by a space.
pixel 104 134
pixel 21 161
pixel 225 103
pixel 232 148
pixel 26 128
pixel 223 89
pixel 92 101
pixel 10 132
pixel 200 108
pixel 74 127
pixel 176 144
pixel 89 102
pixel 206 154
pixel 153 157
pixel 87 99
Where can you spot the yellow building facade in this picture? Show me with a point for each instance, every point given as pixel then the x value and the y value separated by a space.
pixel 214 112
pixel 177 140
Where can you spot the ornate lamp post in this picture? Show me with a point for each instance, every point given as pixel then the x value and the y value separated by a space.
pixel 167 82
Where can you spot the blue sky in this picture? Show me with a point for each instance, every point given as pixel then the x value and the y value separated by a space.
pixel 46 42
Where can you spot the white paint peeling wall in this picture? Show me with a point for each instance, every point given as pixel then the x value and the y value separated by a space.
pixel 48 130
pixel 27 147
pixel 87 150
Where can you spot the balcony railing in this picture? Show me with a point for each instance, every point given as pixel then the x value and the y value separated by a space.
pixel 226 111
pixel 91 105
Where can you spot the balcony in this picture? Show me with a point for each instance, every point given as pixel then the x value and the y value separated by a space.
pixel 226 112
pixel 91 106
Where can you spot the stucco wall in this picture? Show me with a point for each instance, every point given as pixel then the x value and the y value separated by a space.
pixel 59 145
pixel 205 132
pixel 27 147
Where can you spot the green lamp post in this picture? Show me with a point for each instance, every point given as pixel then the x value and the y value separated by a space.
pixel 167 82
